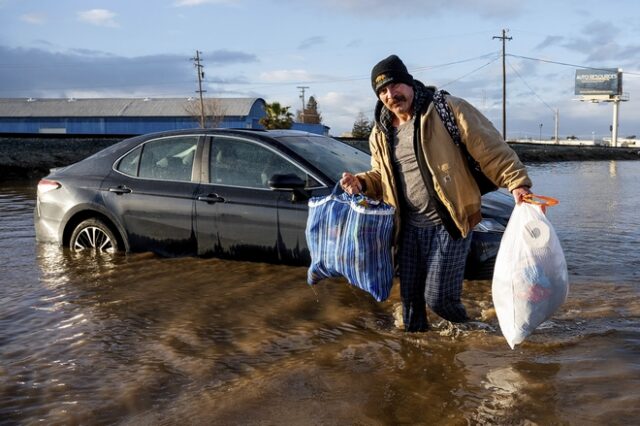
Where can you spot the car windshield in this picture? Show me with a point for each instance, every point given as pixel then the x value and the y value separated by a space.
pixel 328 155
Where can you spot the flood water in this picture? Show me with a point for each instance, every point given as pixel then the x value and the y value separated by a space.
pixel 138 339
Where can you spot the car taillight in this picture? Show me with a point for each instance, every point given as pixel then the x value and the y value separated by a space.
pixel 46 185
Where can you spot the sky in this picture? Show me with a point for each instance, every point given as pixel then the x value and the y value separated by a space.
pixel 273 48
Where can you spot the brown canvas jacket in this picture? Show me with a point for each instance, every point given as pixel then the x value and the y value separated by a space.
pixel 452 180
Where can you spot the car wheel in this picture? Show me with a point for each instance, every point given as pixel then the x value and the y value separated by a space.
pixel 94 235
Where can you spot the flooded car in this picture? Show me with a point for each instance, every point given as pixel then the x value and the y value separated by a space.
pixel 227 193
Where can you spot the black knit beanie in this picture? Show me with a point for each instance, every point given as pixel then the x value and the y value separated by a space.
pixel 387 71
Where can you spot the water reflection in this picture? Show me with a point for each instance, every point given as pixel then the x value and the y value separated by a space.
pixel 520 388
pixel 595 220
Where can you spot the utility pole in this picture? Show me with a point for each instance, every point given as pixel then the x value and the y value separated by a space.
pixel 302 88
pixel 200 71
pixel 614 127
pixel 504 38
pixel 540 133
pixel 557 122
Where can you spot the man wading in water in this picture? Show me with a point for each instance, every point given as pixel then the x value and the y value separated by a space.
pixel 417 168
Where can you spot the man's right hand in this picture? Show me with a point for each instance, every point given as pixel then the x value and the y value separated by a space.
pixel 350 184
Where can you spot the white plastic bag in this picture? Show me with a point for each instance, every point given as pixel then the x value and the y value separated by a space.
pixel 530 279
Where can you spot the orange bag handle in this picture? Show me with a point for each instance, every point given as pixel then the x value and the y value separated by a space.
pixel 540 200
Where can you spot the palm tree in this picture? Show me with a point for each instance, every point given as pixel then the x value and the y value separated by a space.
pixel 278 117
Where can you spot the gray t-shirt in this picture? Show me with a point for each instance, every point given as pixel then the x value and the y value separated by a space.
pixel 418 210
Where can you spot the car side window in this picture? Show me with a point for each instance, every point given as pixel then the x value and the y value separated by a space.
pixel 167 159
pixel 237 162
pixel 129 163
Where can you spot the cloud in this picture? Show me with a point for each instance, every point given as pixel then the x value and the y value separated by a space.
pixel 598 42
pixel 99 17
pixel 226 80
pixel 43 73
pixel 631 52
pixel 382 8
pixel 91 53
pixel 343 102
pixel 191 3
pixel 550 41
pixel 310 42
pixel 604 52
pixel 600 30
pixel 340 109
pixel 223 57
pixel 34 18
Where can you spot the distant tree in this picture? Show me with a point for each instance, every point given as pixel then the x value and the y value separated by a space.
pixel 213 115
pixel 310 114
pixel 278 117
pixel 361 127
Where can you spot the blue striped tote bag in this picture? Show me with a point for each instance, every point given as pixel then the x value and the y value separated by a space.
pixel 351 236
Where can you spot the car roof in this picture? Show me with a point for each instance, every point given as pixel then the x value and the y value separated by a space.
pixel 255 132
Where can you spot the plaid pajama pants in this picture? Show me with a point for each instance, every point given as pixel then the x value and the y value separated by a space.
pixel 431 267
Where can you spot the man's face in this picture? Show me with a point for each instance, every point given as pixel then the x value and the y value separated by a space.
pixel 397 97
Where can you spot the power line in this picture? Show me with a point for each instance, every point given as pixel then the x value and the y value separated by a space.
pixel 530 88
pixel 414 70
pixel 567 64
pixel 470 72
pixel 555 111
pixel 430 67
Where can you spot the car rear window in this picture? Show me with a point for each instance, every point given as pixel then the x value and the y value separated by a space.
pixel 168 158
pixel 328 155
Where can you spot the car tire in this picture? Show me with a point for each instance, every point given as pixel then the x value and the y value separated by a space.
pixel 93 235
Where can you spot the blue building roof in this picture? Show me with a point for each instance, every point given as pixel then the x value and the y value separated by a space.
pixel 131 116
pixel 123 107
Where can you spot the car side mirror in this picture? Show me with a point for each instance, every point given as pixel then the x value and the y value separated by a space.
pixel 289 182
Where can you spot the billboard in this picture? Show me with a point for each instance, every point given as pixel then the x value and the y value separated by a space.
pixel 607 81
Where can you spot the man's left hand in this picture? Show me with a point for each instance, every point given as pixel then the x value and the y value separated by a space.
pixel 519 193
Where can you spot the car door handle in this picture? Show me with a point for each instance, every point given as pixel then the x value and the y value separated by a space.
pixel 120 190
pixel 210 198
